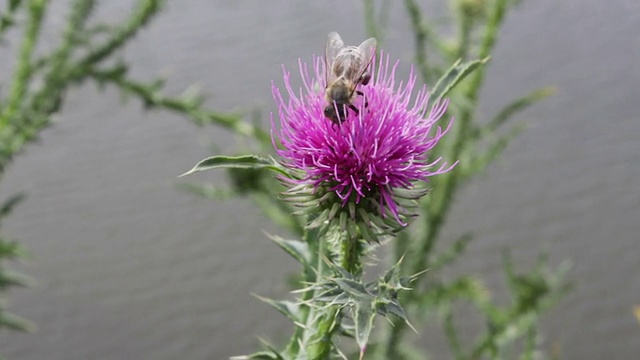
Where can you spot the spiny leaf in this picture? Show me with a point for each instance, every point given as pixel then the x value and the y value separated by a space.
pixel 364 315
pixel 337 268
pixel 270 354
pixel 286 308
pixel 453 76
pixel 355 289
pixel 397 310
pixel 297 249
pixel 237 162
pixel 393 274
pixel 260 355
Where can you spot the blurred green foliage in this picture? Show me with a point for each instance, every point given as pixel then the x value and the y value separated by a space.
pixel 85 52
pixel 476 144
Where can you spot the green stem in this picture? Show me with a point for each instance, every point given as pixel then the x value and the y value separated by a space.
pixel 376 27
pixel 452 335
pixel 351 254
pixel 316 248
pixel 370 18
pixel 48 98
pixel 24 72
pixel 530 344
pixel 464 34
pixel 321 342
pixel 7 19
pixel 421 35
pixel 140 17
pixel 438 207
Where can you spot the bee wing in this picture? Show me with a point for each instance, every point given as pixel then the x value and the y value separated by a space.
pixel 368 47
pixel 367 50
pixel 333 47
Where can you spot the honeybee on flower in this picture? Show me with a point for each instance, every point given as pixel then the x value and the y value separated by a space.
pixel 346 68
pixel 376 161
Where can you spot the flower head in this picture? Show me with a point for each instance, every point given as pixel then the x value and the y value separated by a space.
pixel 375 152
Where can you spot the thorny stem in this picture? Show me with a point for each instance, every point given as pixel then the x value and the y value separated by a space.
pixel 321 343
pixel 316 248
pixel 351 254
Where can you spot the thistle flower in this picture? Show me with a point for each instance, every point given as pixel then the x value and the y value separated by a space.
pixel 367 165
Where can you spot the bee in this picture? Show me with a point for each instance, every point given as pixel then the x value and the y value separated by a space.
pixel 346 68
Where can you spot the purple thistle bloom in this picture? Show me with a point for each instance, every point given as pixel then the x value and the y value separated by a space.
pixel 380 148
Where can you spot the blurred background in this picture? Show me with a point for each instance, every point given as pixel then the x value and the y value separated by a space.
pixel 130 267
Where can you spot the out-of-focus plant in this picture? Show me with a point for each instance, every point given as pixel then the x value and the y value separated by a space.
pixel 475 143
pixel 86 52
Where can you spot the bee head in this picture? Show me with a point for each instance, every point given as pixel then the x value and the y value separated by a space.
pixel 333 115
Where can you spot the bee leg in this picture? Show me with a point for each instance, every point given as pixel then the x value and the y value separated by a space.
pixel 366 102
pixel 354 109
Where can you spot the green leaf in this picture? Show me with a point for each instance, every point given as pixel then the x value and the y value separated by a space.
pixel 10 204
pixel 260 355
pixel 297 249
pixel 286 308
pixel 453 76
pixel 9 278
pixel 353 288
pixel 270 354
pixel 396 309
pixel 15 322
pixel 237 162
pixel 392 276
pixel 10 249
pixel 363 318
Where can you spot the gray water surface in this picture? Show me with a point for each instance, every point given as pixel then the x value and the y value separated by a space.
pixel 128 267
